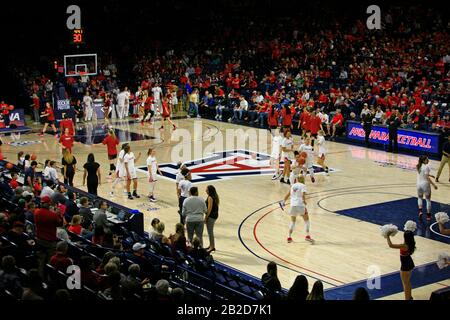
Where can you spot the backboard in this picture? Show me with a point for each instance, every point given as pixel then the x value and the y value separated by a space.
pixel 77 65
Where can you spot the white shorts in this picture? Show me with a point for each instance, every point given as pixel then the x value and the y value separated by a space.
pixel 275 156
pixel 121 173
pixel 133 173
pixel 296 211
pixel 424 189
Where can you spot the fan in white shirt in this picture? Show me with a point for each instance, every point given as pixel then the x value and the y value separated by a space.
pixel 88 107
pixel 424 185
pixel 152 170
pixel 183 191
pixel 121 102
pixel 297 193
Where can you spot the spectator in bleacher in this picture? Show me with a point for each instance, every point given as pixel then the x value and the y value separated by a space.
pixel 59 195
pixel 153 232
pixel 148 270
pixel 361 294
pixel 69 163
pixel 4 226
pixel 50 173
pixel 106 257
pixel 71 207
pixel 25 245
pixel 13 182
pixel 163 291
pixel 62 295
pixel 9 277
pixel 270 280
pixel 47 190
pixel 212 214
pixel 114 289
pixel 132 284
pixel 93 174
pixel 61 261
pixel 75 224
pixel 316 292
pixel 194 210
pixel 87 277
pixel 299 290
pixel 100 218
pixel 336 123
pixel 30 172
pixel 178 239
pixel 46 223
pixel 33 287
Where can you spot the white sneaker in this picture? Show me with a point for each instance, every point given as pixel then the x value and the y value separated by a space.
pixel 198 117
pixel 188 116
pixel 111 194
pixel 220 118
pixel 275 177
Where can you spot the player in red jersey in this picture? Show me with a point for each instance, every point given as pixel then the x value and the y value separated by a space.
pixel 166 114
pixel 67 123
pixel 49 118
pixel 111 143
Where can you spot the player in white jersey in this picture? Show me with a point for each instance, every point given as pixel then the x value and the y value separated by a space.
pixel 297 193
pixel 131 174
pixel 152 170
pixel 307 149
pixel 120 172
pixel 322 150
pixel 121 102
pixel 424 185
pixel 287 148
pixel 296 167
pixel 276 153
pixel 183 190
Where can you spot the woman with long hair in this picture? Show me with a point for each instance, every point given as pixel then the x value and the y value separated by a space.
pixel 424 185
pixel 129 161
pixel 212 213
pixel 316 292
pixel 299 290
pixel 287 115
pixel 152 170
pixel 111 143
pixel 407 248
pixel 92 173
pixel 166 114
pixel 272 116
pixel 178 239
pixel 287 148
pixel 69 163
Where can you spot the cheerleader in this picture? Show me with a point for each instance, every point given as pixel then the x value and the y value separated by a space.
pixel 111 143
pixel 166 114
pixel 287 148
pixel 407 264
pixel 307 148
pixel 287 114
pixel 152 169
pixel 322 150
pixel 66 140
pixel 424 185
pixel 297 193
pixel 276 153
pixel 107 108
pixel 272 116
pixel 49 119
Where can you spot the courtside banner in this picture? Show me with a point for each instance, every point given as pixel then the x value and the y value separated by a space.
pixel 17 117
pixel 407 139
pixel 98 105
pixel 62 107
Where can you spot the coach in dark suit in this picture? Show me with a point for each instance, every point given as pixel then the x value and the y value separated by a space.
pixel 393 123
pixel 367 126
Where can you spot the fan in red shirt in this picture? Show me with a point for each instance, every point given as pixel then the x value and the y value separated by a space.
pixel 315 124
pixel 67 140
pixel 303 123
pixel 111 143
pixel 272 116
pixel 287 114
pixel 67 123
pixel 49 118
pixel 336 122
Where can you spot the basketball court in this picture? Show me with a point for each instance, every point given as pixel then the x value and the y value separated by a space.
pixel 364 190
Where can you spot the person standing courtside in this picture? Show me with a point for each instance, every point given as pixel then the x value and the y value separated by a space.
pixel 445 159
pixel 367 125
pixel 394 123
pixel 194 210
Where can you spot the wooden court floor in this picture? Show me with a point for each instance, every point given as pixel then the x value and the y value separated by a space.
pixel 251 228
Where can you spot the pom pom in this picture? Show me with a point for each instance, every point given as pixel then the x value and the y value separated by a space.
pixel 443 258
pixel 441 217
pixel 388 230
pixel 410 226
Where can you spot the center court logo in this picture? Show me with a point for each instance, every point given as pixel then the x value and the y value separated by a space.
pixel 23 143
pixel 224 165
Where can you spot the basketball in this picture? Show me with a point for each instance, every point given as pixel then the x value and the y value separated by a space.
pixel 9 166
pixel 302 160
pixel 304 155
pixel 33 157
pixel 11 108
